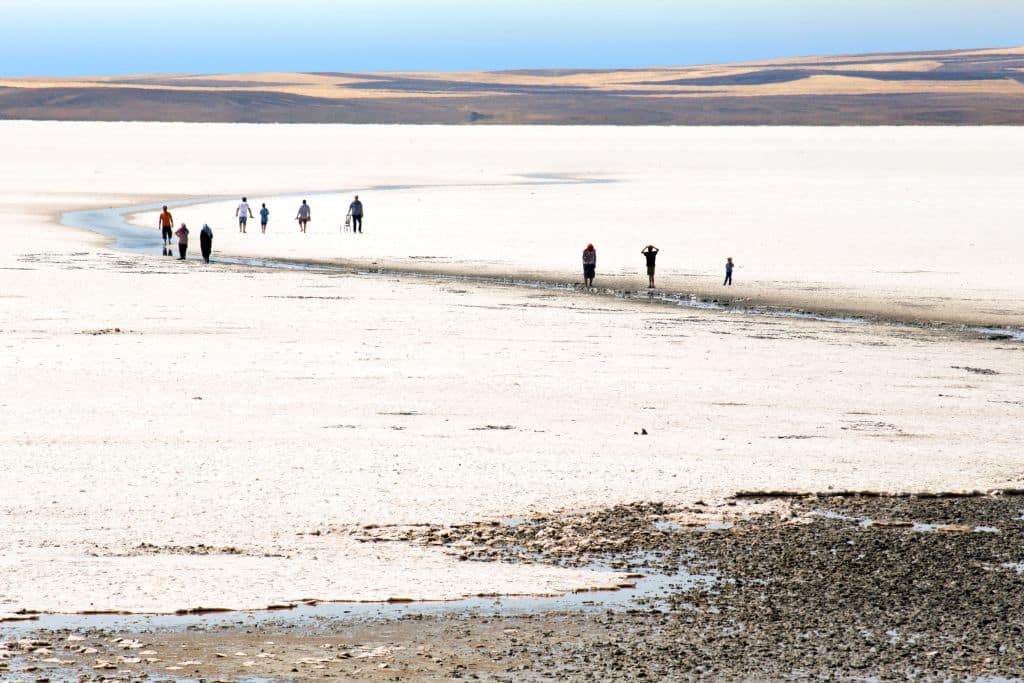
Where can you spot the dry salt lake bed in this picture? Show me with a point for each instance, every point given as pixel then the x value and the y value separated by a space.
pixel 388 437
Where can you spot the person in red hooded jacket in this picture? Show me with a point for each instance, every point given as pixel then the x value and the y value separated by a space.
pixel 589 265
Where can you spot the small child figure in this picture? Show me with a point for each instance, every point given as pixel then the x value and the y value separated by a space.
pixel 728 272
pixel 264 217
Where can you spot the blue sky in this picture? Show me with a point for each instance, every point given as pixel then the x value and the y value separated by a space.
pixel 103 37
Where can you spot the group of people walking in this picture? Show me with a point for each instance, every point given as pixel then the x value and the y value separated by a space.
pixel 166 223
pixel 353 220
pixel 243 213
pixel 650 254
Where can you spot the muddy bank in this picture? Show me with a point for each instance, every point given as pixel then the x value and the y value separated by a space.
pixel 842 587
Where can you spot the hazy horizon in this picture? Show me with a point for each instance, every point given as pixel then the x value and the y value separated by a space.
pixel 54 37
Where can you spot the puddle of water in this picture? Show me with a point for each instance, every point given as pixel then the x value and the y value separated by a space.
pixel 307 615
pixel 919 527
pixel 516 521
pixel 1014 334
pixel 669 525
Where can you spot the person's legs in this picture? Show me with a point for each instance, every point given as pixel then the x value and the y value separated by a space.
pixel 182 248
pixel 357 223
pixel 263 228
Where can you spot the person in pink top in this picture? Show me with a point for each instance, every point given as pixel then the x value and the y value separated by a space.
pixel 182 234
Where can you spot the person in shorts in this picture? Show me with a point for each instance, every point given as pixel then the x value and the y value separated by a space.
pixel 303 216
pixel 264 217
pixel 650 253
pixel 589 265
pixel 244 213
pixel 166 223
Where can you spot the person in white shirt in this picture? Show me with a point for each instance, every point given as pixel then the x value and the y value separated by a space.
pixel 303 216
pixel 244 213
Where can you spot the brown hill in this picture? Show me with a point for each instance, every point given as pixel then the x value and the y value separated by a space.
pixel 967 87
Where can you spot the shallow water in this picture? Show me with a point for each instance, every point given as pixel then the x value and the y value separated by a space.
pixel 305 615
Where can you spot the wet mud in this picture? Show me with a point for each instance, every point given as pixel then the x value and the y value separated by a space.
pixel 836 587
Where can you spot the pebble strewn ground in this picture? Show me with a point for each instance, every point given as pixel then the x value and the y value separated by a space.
pixel 846 588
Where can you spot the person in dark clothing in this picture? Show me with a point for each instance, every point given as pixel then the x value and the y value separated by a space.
pixel 182 234
pixel 728 272
pixel 206 241
pixel 589 265
pixel 355 210
pixel 650 253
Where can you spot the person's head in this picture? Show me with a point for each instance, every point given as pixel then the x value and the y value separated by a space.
pixel 244 199
pixel 183 225
pixel 263 205
pixel 357 198
pixel 303 201
pixel 729 259
pixel 206 226
pixel 590 247
pixel 649 247
pixel 165 208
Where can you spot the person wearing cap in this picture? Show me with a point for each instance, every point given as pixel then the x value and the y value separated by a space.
pixel 206 241
pixel 589 265
pixel 355 210
pixel 650 253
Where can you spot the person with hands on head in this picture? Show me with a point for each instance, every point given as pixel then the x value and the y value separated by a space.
pixel 650 253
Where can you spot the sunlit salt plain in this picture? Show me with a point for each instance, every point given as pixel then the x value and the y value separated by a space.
pixel 918 224
pixel 151 405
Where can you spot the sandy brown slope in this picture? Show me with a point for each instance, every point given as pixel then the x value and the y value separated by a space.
pixel 953 87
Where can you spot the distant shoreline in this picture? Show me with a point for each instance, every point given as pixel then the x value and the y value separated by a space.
pixel 957 87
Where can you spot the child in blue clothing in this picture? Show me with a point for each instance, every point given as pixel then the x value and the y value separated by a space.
pixel 728 272
pixel 264 217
